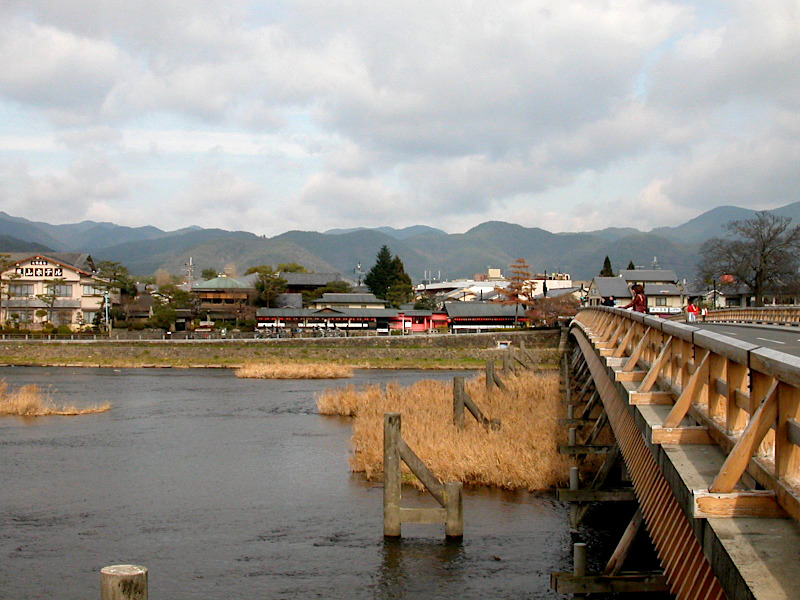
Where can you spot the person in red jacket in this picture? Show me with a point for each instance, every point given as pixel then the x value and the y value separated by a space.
pixel 691 312
pixel 639 302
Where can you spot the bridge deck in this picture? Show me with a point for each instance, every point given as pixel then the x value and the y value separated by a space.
pixel 752 557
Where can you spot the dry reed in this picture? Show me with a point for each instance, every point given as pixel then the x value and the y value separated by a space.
pixel 523 454
pixel 295 371
pixel 31 401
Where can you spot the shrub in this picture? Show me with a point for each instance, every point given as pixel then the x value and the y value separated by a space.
pixel 63 330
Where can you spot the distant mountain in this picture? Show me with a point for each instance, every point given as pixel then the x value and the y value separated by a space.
pixel 422 248
pixel 398 234
pixel 12 244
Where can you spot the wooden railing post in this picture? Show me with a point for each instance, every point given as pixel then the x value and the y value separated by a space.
pixel 123 582
pixel 458 402
pixel 454 510
pixel 391 475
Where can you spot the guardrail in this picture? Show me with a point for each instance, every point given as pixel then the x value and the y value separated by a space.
pixel 767 315
pixel 742 397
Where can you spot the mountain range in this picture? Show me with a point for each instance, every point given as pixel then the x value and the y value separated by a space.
pixel 422 248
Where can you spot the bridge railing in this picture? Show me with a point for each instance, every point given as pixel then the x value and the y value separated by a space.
pixel 771 315
pixel 742 397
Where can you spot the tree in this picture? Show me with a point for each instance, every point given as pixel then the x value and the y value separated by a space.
pixel 209 273
pixel 259 269
pixel 164 316
pixel 631 266
pixel 759 252
pixel 332 287
pixel 175 296
pixel 269 286
pixel 112 276
pixel 517 290
pixel 5 264
pixel 426 303
pixel 381 275
pixel 162 277
pixel 607 271
pixel 51 294
pixel 291 267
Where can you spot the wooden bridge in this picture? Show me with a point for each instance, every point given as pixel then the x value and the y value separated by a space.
pixel 707 427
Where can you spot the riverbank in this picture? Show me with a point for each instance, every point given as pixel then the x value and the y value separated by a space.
pixel 417 352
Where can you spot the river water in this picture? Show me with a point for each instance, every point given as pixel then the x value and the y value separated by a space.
pixel 234 488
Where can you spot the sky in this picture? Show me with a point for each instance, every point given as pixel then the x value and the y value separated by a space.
pixel 272 116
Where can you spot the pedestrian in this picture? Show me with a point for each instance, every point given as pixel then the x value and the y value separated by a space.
pixel 704 313
pixel 609 301
pixel 691 312
pixel 639 301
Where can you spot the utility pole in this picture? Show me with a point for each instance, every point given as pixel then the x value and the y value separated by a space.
pixel 108 320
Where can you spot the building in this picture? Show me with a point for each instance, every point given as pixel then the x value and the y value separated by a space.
pixel 310 319
pixel 335 300
pixel 297 283
pixel 225 298
pixel 664 295
pixel 604 287
pixel 474 317
pixel 61 288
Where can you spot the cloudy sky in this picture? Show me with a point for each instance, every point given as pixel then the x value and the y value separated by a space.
pixel 311 115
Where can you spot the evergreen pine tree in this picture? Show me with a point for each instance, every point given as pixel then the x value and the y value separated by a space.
pixel 381 275
pixel 631 266
pixel 607 271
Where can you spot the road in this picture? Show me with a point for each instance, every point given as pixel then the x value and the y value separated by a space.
pixel 784 339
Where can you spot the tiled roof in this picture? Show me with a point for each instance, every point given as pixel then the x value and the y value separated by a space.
pixel 649 275
pixel 482 309
pixel 79 260
pixel 223 283
pixel 612 286
pixel 309 279
pixel 661 289
pixel 334 298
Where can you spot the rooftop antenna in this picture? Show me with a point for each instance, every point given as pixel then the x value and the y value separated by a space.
pixel 655 263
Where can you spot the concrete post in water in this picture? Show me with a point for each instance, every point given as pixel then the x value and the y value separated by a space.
pixel 570 411
pixel 579 565
pixel 489 375
pixel 566 380
pixel 123 582
pixel 454 520
pixel 458 402
pixel 391 475
pixel 572 436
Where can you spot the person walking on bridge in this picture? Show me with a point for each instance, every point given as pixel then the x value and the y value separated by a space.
pixel 639 302
pixel 691 312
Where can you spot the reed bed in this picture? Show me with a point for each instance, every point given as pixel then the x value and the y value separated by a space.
pixel 32 401
pixel 523 454
pixel 295 371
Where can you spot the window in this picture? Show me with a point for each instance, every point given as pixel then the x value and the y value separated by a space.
pixel 90 290
pixel 89 316
pixel 661 301
pixel 61 291
pixel 20 289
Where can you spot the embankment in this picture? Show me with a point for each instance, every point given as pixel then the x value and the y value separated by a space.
pixel 411 352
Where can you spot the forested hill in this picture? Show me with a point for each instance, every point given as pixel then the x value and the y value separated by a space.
pixel 422 248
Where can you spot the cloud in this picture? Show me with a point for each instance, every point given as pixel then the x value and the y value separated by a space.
pixel 69 195
pixel 444 111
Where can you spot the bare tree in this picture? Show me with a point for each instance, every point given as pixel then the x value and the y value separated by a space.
pixel 760 252
pixel 517 291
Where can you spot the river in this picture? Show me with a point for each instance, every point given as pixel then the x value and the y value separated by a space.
pixel 234 488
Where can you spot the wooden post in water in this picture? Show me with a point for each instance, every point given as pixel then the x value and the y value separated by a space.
pixel 123 582
pixel 507 363
pixel 454 510
pixel 391 475
pixel 574 481
pixel 458 402
pixel 489 376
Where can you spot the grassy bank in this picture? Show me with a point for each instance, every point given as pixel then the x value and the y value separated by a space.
pixel 521 455
pixel 32 401
pixel 232 355
pixel 295 371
